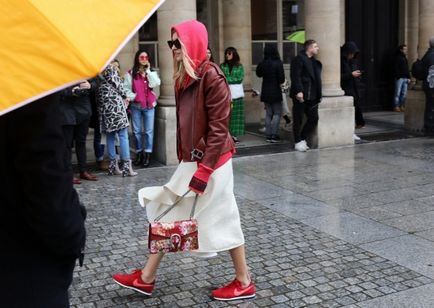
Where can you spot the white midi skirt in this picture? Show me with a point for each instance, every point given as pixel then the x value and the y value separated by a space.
pixel 216 210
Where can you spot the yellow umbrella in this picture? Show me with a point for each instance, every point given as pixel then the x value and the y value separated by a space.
pixel 47 45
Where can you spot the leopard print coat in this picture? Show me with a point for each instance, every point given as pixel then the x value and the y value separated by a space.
pixel 111 94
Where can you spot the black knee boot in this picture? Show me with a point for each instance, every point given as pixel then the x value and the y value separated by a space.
pixel 146 160
pixel 139 159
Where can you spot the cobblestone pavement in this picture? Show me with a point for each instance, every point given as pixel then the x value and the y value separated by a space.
pixel 347 227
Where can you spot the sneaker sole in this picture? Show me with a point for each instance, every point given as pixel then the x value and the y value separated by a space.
pixel 133 288
pixel 234 298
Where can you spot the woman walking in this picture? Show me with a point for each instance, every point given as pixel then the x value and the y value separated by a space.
pixel 139 83
pixel 234 72
pixel 271 71
pixel 114 120
pixel 205 154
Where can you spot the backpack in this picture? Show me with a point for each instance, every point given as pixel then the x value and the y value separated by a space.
pixel 419 70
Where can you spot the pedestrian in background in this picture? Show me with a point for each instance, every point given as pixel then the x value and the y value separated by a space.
pixel 42 232
pixel 209 55
pixel 428 62
pixel 402 78
pixel 271 71
pixel 234 72
pixel 139 83
pixel 306 93
pixel 350 79
pixel 202 124
pixel 77 110
pixel 113 103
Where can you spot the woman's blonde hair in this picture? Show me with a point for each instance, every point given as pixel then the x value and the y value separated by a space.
pixel 186 66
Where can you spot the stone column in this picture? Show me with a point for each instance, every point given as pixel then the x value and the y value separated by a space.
pixel 126 55
pixel 237 32
pixel 426 25
pixel 336 112
pixel 323 25
pixel 412 29
pixel 170 13
pixel 342 16
pixel 415 101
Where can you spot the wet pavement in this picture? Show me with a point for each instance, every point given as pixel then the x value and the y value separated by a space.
pixel 343 227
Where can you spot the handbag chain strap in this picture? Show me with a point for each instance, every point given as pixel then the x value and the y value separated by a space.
pixel 193 209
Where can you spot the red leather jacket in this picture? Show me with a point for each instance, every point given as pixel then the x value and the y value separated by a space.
pixel 202 110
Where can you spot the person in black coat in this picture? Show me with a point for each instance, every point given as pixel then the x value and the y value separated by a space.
pixel 350 77
pixel 402 78
pixel 75 103
pixel 428 61
pixel 271 71
pixel 306 93
pixel 42 231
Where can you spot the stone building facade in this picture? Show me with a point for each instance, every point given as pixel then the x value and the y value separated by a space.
pixel 249 24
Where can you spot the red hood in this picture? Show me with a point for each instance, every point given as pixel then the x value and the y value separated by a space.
pixel 194 36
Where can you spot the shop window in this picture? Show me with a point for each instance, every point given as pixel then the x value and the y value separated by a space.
pixel 264 25
pixel 148 39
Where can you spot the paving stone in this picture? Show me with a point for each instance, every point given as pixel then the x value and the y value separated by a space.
pixel 293 264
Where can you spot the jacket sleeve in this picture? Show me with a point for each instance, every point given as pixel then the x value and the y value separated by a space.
pixel 217 104
pixel 260 70
pixel 49 204
pixel 154 80
pixel 295 75
pixel 346 73
pixel 128 86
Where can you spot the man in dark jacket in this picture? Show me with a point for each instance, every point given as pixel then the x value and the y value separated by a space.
pixel 272 73
pixel 42 230
pixel 350 75
pixel 428 61
pixel 305 92
pixel 402 78
pixel 77 110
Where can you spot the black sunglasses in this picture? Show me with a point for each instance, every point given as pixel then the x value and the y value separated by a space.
pixel 175 43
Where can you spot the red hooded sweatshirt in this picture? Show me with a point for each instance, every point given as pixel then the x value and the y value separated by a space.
pixel 194 36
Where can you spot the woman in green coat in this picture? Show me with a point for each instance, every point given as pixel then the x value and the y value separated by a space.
pixel 234 72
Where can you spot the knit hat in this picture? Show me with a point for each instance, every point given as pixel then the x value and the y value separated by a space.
pixel 431 42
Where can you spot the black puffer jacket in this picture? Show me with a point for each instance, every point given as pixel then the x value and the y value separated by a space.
pixel 271 71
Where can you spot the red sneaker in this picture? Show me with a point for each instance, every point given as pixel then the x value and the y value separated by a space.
pixel 234 291
pixel 134 282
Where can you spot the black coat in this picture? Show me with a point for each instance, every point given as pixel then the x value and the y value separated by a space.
pixel 428 61
pixel 42 224
pixel 77 108
pixel 401 68
pixel 348 81
pixel 306 77
pixel 273 75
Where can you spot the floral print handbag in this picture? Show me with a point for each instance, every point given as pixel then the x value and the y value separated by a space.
pixel 181 235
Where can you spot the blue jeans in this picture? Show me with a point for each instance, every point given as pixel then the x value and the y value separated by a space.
pixel 272 118
pixel 401 86
pixel 123 142
pixel 145 117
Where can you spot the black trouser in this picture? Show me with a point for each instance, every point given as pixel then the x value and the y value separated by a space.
pixel 75 135
pixel 360 121
pixel 429 111
pixel 308 108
